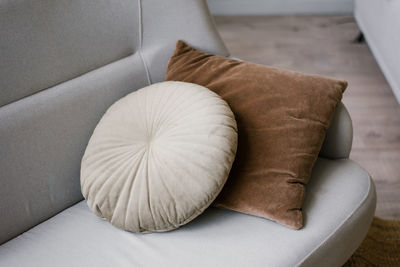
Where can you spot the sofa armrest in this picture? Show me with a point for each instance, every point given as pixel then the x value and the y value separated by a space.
pixel 339 136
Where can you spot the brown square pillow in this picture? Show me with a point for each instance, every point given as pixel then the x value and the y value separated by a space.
pixel 282 119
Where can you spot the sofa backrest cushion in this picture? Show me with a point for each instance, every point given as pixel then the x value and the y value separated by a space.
pixel 62 64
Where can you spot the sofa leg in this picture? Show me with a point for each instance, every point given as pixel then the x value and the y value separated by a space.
pixel 360 38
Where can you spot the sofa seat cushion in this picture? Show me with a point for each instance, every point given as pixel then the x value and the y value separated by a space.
pixel 338 210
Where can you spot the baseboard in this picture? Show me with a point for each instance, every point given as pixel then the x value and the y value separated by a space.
pixel 280 7
pixel 394 84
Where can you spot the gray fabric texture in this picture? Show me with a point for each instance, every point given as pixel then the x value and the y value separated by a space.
pixel 54 65
pixel 338 210
pixel 43 138
pixel 166 22
pixel 46 42
pixel 339 137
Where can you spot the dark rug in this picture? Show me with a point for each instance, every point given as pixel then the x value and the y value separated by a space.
pixel 381 247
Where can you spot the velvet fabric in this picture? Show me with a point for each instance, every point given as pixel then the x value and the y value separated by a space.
pixel 282 119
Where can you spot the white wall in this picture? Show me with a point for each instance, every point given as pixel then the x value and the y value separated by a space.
pixel 279 7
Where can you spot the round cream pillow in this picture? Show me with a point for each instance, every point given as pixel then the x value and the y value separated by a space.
pixel 159 157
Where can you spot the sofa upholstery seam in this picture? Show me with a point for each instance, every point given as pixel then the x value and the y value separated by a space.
pixel 141 42
pixel 66 81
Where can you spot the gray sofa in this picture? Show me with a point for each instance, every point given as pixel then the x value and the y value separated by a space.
pixel 62 63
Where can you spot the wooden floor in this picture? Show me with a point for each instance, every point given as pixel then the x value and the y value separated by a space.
pixel 325 45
